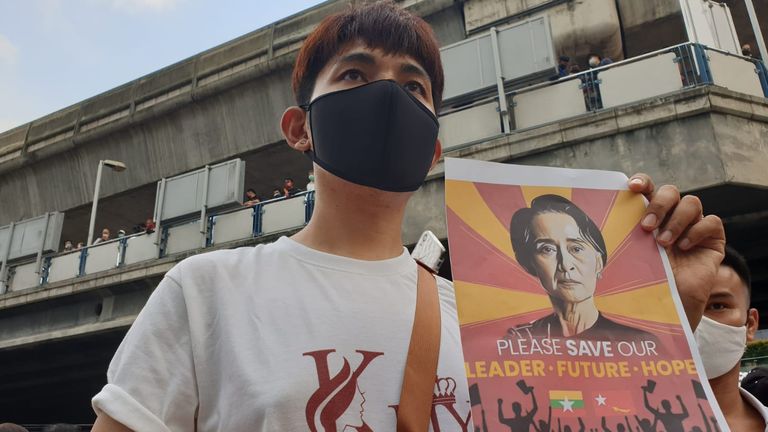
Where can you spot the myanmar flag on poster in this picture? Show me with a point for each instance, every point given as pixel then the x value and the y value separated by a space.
pixel 568 310
pixel 566 401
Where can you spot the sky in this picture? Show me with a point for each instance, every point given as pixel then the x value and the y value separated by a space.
pixel 54 53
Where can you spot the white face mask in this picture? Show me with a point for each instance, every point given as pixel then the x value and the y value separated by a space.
pixel 721 346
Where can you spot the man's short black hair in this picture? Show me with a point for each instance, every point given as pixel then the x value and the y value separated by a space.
pixel 251 190
pixel 565 58
pixel 288 179
pixel 738 263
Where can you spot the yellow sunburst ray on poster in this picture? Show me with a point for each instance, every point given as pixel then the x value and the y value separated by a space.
pixel 464 199
pixel 622 218
pixel 481 303
pixel 531 192
pixel 651 303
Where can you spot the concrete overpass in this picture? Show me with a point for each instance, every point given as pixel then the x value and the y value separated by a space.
pixel 56 340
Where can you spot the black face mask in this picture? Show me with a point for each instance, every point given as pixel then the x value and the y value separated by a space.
pixel 376 135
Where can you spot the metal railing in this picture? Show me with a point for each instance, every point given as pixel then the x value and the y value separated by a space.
pixel 748 363
pixel 267 217
pixel 617 84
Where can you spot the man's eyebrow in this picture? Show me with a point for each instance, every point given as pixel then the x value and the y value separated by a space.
pixel 411 68
pixel 358 57
pixel 721 295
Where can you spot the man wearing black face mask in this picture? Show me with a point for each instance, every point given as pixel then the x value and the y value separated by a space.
pixel 319 342
pixel 726 327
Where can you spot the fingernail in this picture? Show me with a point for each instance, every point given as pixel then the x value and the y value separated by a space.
pixel 636 181
pixel 665 237
pixel 685 244
pixel 649 220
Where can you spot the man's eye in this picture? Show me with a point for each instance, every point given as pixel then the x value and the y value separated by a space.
pixel 415 87
pixel 717 306
pixel 353 75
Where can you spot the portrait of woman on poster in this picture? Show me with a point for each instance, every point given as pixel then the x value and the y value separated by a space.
pixel 555 241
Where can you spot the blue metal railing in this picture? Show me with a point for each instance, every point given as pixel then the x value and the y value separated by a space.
pixel 693 65
pixel 210 227
pixel 703 64
pixel 258 218
pixel 122 243
pixel 309 206
pixel 83 257
pixel 691 59
pixel 45 271
pixel 164 235
pixel 762 73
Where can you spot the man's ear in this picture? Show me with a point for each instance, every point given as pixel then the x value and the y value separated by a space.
pixel 438 153
pixel 294 127
pixel 753 321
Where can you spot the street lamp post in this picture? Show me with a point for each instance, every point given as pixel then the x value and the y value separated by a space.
pixel 116 166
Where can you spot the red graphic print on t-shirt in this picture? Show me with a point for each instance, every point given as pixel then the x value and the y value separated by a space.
pixel 338 402
pixel 329 405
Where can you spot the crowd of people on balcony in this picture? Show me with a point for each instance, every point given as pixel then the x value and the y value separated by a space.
pixel 288 190
pixel 589 82
pixel 148 226
pixel 565 67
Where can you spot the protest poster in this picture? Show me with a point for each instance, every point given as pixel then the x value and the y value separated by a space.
pixel 570 320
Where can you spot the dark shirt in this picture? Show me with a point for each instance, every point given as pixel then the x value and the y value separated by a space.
pixel 293 191
pixel 603 329
pixel 562 71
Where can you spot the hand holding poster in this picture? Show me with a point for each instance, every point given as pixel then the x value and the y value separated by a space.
pixel 570 320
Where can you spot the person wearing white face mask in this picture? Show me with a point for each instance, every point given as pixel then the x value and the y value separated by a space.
pixel 726 327
pixel 311 184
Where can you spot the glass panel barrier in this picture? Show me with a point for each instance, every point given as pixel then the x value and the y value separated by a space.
pixel 64 267
pixel 282 215
pixel 102 257
pixel 233 226
pixel 141 248
pixel 643 79
pixel 734 73
pixel 25 277
pixel 548 104
pixel 470 124
pixel 183 238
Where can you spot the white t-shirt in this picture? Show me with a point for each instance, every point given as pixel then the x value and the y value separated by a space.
pixel 279 337
pixel 752 400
